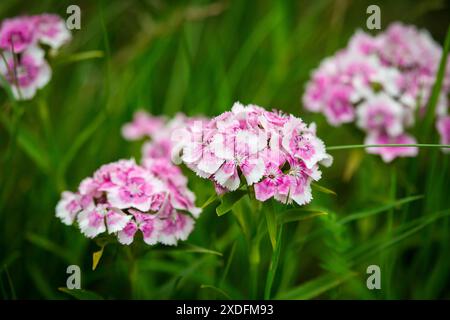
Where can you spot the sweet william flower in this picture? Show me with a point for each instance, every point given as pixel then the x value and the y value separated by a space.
pixel 278 154
pixel 30 74
pixel 143 125
pixel 95 219
pixel 123 197
pixel 382 113
pixel 51 30
pixel 17 34
pixel 381 83
pixel 179 195
pixel 157 154
pixel 24 66
pixel 68 207
pixel 390 153
pixel 302 143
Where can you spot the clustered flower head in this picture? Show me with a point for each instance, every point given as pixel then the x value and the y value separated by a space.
pixel 381 83
pixel 122 198
pixel 277 154
pixel 157 153
pixel 158 131
pixel 23 64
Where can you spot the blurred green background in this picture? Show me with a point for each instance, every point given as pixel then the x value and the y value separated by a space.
pixel 199 57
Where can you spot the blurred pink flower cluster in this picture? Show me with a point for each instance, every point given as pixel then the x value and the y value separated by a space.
pixel 23 63
pixel 158 131
pixel 277 154
pixel 123 197
pixel 381 83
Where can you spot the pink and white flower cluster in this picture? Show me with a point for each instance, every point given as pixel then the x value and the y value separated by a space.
pixel 122 198
pixel 23 64
pixel 277 154
pixel 158 131
pixel 381 83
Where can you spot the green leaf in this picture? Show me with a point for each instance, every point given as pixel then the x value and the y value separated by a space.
pixel 228 201
pixel 373 211
pixel 353 163
pixel 298 214
pixel 371 248
pixel 271 220
pixel 29 144
pixel 81 294
pixel 323 189
pixel 273 266
pixel 40 280
pixel 432 102
pixel 49 246
pixel 227 266
pixel 81 138
pixel 316 287
pixel 207 286
pixel 214 197
pixel 96 256
pixel 197 249
pixel 81 56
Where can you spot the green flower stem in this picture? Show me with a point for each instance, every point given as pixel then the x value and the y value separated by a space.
pixel 273 265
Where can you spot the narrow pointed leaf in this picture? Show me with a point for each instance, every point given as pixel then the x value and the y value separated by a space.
pixel 228 201
pixel 323 189
pixel 81 294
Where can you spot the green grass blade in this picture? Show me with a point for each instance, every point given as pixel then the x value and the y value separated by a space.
pixel 228 201
pixel 273 266
pixel 81 294
pixel 272 228
pixel 228 265
pixel 432 102
pixel 374 211
pixel 316 287
pixel 49 246
pixel 218 290
pixel 323 189
pixel 299 214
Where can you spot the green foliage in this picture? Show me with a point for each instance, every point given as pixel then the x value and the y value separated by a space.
pixel 198 57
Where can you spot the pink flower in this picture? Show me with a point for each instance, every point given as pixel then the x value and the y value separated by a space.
pixel 174 228
pixel 302 143
pixel 292 185
pixel 31 73
pixel 137 189
pixel 95 219
pixel 364 43
pixel 253 143
pixel 123 197
pixel 68 207
pixel 126 235
pixel 443 127
pixel 161 148
pixel 390 153
pixel 143 125
pixel 24 66
pixel 273 179
pixel 379 82
pixel 51 30
pixel 313 99
pixel 180 197
pixel 381 113
pixel 17 34
pixel 408 47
